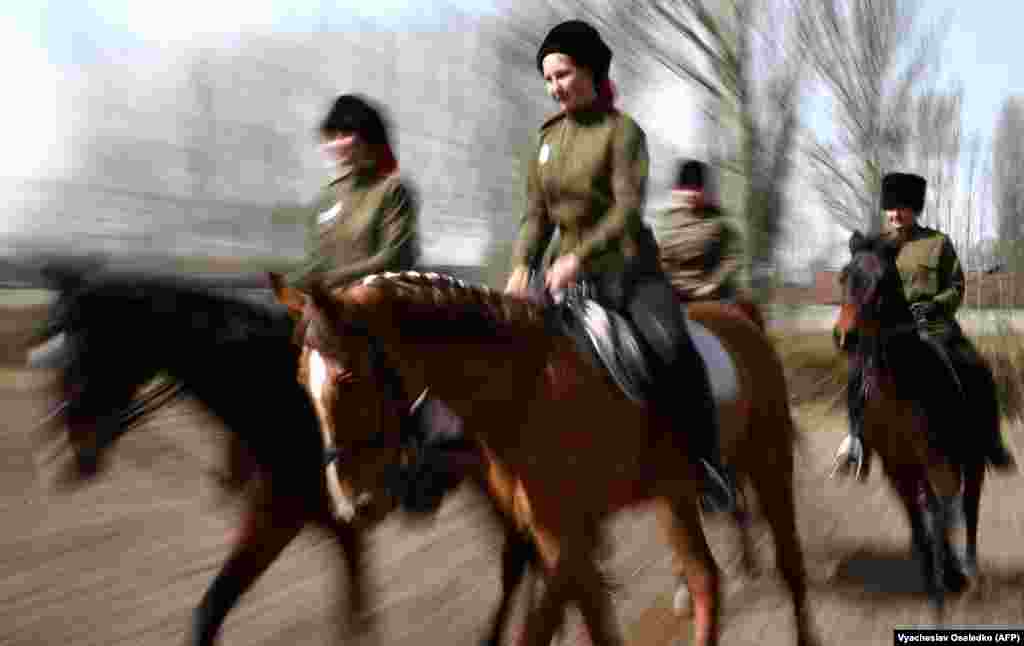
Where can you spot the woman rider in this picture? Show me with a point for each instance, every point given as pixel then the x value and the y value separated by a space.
pixel 365 219
pixel 365 222
pixel 589 179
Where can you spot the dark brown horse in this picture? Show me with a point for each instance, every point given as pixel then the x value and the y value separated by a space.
pixel 111 336
pixel 900 371
pixel 564 447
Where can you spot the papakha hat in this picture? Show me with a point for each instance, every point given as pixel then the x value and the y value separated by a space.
pixel 582 43
pixel 903 190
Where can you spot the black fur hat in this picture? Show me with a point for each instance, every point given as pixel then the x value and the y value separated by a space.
pixel 582 43
pixel 903 190
pixel 356 113
pixel 690 172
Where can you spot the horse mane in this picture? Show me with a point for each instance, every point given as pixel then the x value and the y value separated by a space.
pixel 183 298
pixel 436 306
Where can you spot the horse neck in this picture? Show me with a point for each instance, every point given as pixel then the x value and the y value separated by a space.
pixel 462 372
pixel 898 332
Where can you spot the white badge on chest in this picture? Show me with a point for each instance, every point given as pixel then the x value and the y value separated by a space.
pixel 330 214
pixel 545 153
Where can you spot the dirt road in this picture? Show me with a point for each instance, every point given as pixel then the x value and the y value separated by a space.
pixel 124 560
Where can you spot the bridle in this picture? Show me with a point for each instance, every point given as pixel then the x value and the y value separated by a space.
pixel 395 401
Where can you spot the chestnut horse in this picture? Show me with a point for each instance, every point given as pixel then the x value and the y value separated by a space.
pixel 877 328
pixel 564 448
pixel 327 382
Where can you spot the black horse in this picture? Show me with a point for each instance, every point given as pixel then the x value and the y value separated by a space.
pixel 929 422
pixel 111 335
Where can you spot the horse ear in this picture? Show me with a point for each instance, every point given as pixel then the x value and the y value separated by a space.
pixel 856 242
pixel 290 297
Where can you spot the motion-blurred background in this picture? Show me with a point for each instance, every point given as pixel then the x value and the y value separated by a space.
pixel 183 134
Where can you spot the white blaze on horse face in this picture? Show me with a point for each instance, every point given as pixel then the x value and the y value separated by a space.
pixel 344 504
pixel 317 375
pixel 49 354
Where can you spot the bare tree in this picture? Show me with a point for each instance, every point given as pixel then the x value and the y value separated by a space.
pixel 871 58
pixel 971 233
pixel 735 51
pixel 933 150
pixel 1008 169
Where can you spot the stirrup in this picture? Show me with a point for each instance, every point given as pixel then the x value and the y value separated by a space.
pixel 720 494
pixel 851 457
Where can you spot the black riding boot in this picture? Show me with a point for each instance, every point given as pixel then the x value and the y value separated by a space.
pixel 719 491
pixel 683 392
pixel 854 458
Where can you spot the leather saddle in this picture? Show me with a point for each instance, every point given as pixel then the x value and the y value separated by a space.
pixel 606 339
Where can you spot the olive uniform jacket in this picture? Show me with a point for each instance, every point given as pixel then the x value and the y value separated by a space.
pixel 589 178
pixel 699 251
pixel 930 271
pixel 360 224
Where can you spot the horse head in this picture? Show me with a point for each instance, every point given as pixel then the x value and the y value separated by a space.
pixel 872 292
pixel 343 373
pixel 81 339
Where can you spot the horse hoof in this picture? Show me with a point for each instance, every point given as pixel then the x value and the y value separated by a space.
pixel 968 566
pixel 681 602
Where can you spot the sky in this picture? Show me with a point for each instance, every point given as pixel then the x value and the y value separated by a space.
pixel 42 42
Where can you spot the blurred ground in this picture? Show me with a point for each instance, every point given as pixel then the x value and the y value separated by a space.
pixel 124 561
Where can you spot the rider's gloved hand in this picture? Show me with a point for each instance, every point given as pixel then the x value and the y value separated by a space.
pixel 924 310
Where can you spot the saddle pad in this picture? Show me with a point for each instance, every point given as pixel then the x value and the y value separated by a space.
pixel 721 369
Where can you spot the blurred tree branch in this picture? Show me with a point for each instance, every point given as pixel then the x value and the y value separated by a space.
pixel 735 51
pixel 871 59
pixel 1008 169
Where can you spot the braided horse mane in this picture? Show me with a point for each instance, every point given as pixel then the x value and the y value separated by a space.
pixel 438 306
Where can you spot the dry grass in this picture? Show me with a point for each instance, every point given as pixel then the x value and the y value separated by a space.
pixel 817 372
pixel 17 327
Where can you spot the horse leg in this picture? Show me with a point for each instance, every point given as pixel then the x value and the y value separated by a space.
pixel 974 478
pixel 592 593
pixel 353 550
pixel 749 567
pixel 774 482
pixel 516 555
pixel 695 566
pixel 544 619
pixel 928 545
pixel 744 524
pixel 266 531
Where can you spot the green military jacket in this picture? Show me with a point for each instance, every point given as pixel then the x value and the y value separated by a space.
pixel 930 271
pixel 589 178
pixel 700 251
pixel 360 224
